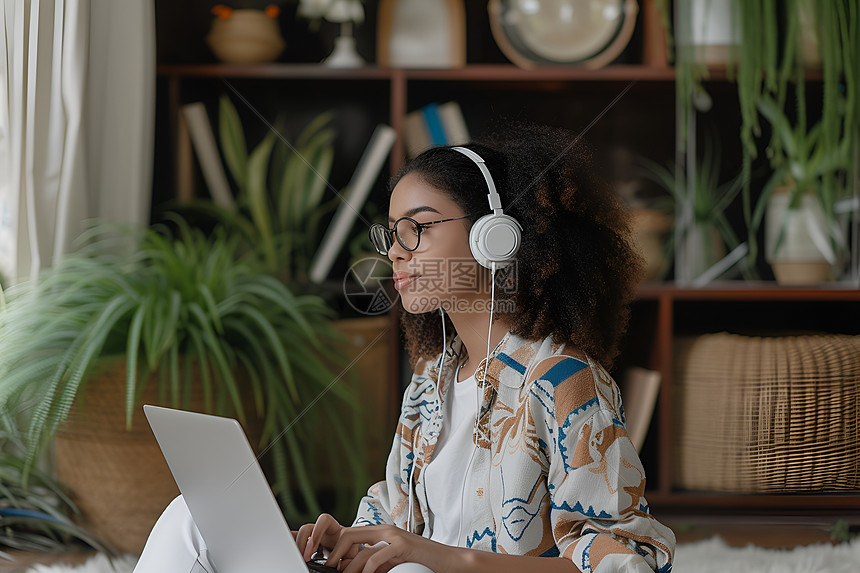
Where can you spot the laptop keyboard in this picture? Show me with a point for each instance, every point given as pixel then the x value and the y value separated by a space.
pixel 319 566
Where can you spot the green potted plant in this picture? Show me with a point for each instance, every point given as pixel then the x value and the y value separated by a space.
pixel 279 202
pixel 768 68
pixel 803 239
pixel 778 43
pixel 699 211
pixel 187 322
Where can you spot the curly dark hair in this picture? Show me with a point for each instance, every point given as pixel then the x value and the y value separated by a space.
pixel 576 271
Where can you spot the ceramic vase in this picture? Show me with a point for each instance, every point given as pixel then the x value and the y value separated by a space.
pixel 344 54
pixel 796 240
pixel 246 37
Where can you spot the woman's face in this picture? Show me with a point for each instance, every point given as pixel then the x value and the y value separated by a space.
pixel 441 271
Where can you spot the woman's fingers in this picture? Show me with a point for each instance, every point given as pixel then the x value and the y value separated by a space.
pixel 378 548
pixel 366 560
pixel 381 560
pixel 361 543
pixel 301 536
pixel 324 532
pixel 350 540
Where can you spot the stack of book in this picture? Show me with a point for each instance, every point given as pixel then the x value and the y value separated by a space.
pixel 434 124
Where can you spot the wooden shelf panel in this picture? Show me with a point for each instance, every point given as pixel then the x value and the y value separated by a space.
pixel 470 73
pixel 273 71
pixel 749 291
pixel 504 72
pixel 681 500
pixel 473 73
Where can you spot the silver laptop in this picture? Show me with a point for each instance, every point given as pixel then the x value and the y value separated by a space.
pixel 226 492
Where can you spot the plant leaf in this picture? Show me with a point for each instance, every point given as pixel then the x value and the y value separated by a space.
pixel 233 144
pixel 258 201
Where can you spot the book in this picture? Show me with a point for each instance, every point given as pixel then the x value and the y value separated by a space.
pixel 434 124
pixel 437 133
pixel 203 140
pixel 416 137
pixel 454 124
pixel 354 196
pixel 639 388
pixel 184 162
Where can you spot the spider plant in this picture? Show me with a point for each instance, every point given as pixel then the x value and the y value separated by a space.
pixel 804 164
pixel 766 67
pixel 280 191
pixel 702 213
pixel 169 304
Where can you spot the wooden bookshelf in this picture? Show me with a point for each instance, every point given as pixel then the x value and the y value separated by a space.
pixel 659 314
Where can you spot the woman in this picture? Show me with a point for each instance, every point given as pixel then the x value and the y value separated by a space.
pixel 511 437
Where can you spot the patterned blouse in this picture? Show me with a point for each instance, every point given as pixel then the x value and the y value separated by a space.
pixel 554 475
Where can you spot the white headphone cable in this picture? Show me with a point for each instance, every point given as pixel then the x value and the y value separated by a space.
pixel 410 508
pixel 489 337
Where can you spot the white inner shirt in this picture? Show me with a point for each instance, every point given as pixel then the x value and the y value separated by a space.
pixel 445 475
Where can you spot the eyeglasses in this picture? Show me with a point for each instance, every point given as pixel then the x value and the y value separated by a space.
pixel 407 231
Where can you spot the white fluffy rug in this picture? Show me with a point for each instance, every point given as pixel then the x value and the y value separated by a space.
pixel 709 556
pixel 714 556
pixel 98 564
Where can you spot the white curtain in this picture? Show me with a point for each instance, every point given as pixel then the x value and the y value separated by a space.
pixel 77 106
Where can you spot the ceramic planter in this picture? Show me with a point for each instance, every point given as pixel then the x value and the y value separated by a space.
pixel 246 37
pixel 704 248
pixel 800 255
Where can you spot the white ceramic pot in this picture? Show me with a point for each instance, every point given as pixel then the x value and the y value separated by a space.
pixel 704 248
pixel 711 32
pixel 246 37
pixel 803 255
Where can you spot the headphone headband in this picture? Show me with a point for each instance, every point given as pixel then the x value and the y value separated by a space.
pixel 495 237
pixel 493 195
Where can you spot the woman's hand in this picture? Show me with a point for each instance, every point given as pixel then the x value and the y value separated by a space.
pixel 324 533
pixel 378 548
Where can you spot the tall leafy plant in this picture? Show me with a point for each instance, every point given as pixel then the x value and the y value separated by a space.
pixel 760 69
pixel 170 304
pixel 770 67
pixel 690 70
pixel 280 189
pixel 710 199
pixel 805 164
pixel 768 63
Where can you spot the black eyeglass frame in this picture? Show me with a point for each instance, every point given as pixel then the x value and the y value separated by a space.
pixel 393 232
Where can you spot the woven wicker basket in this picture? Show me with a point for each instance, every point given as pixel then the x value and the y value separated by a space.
pixel 117 477
pixel 778 414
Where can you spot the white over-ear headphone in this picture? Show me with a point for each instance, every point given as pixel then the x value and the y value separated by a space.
pixel 494 238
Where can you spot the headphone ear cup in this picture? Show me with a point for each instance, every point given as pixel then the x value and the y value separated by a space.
pixel 495 239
